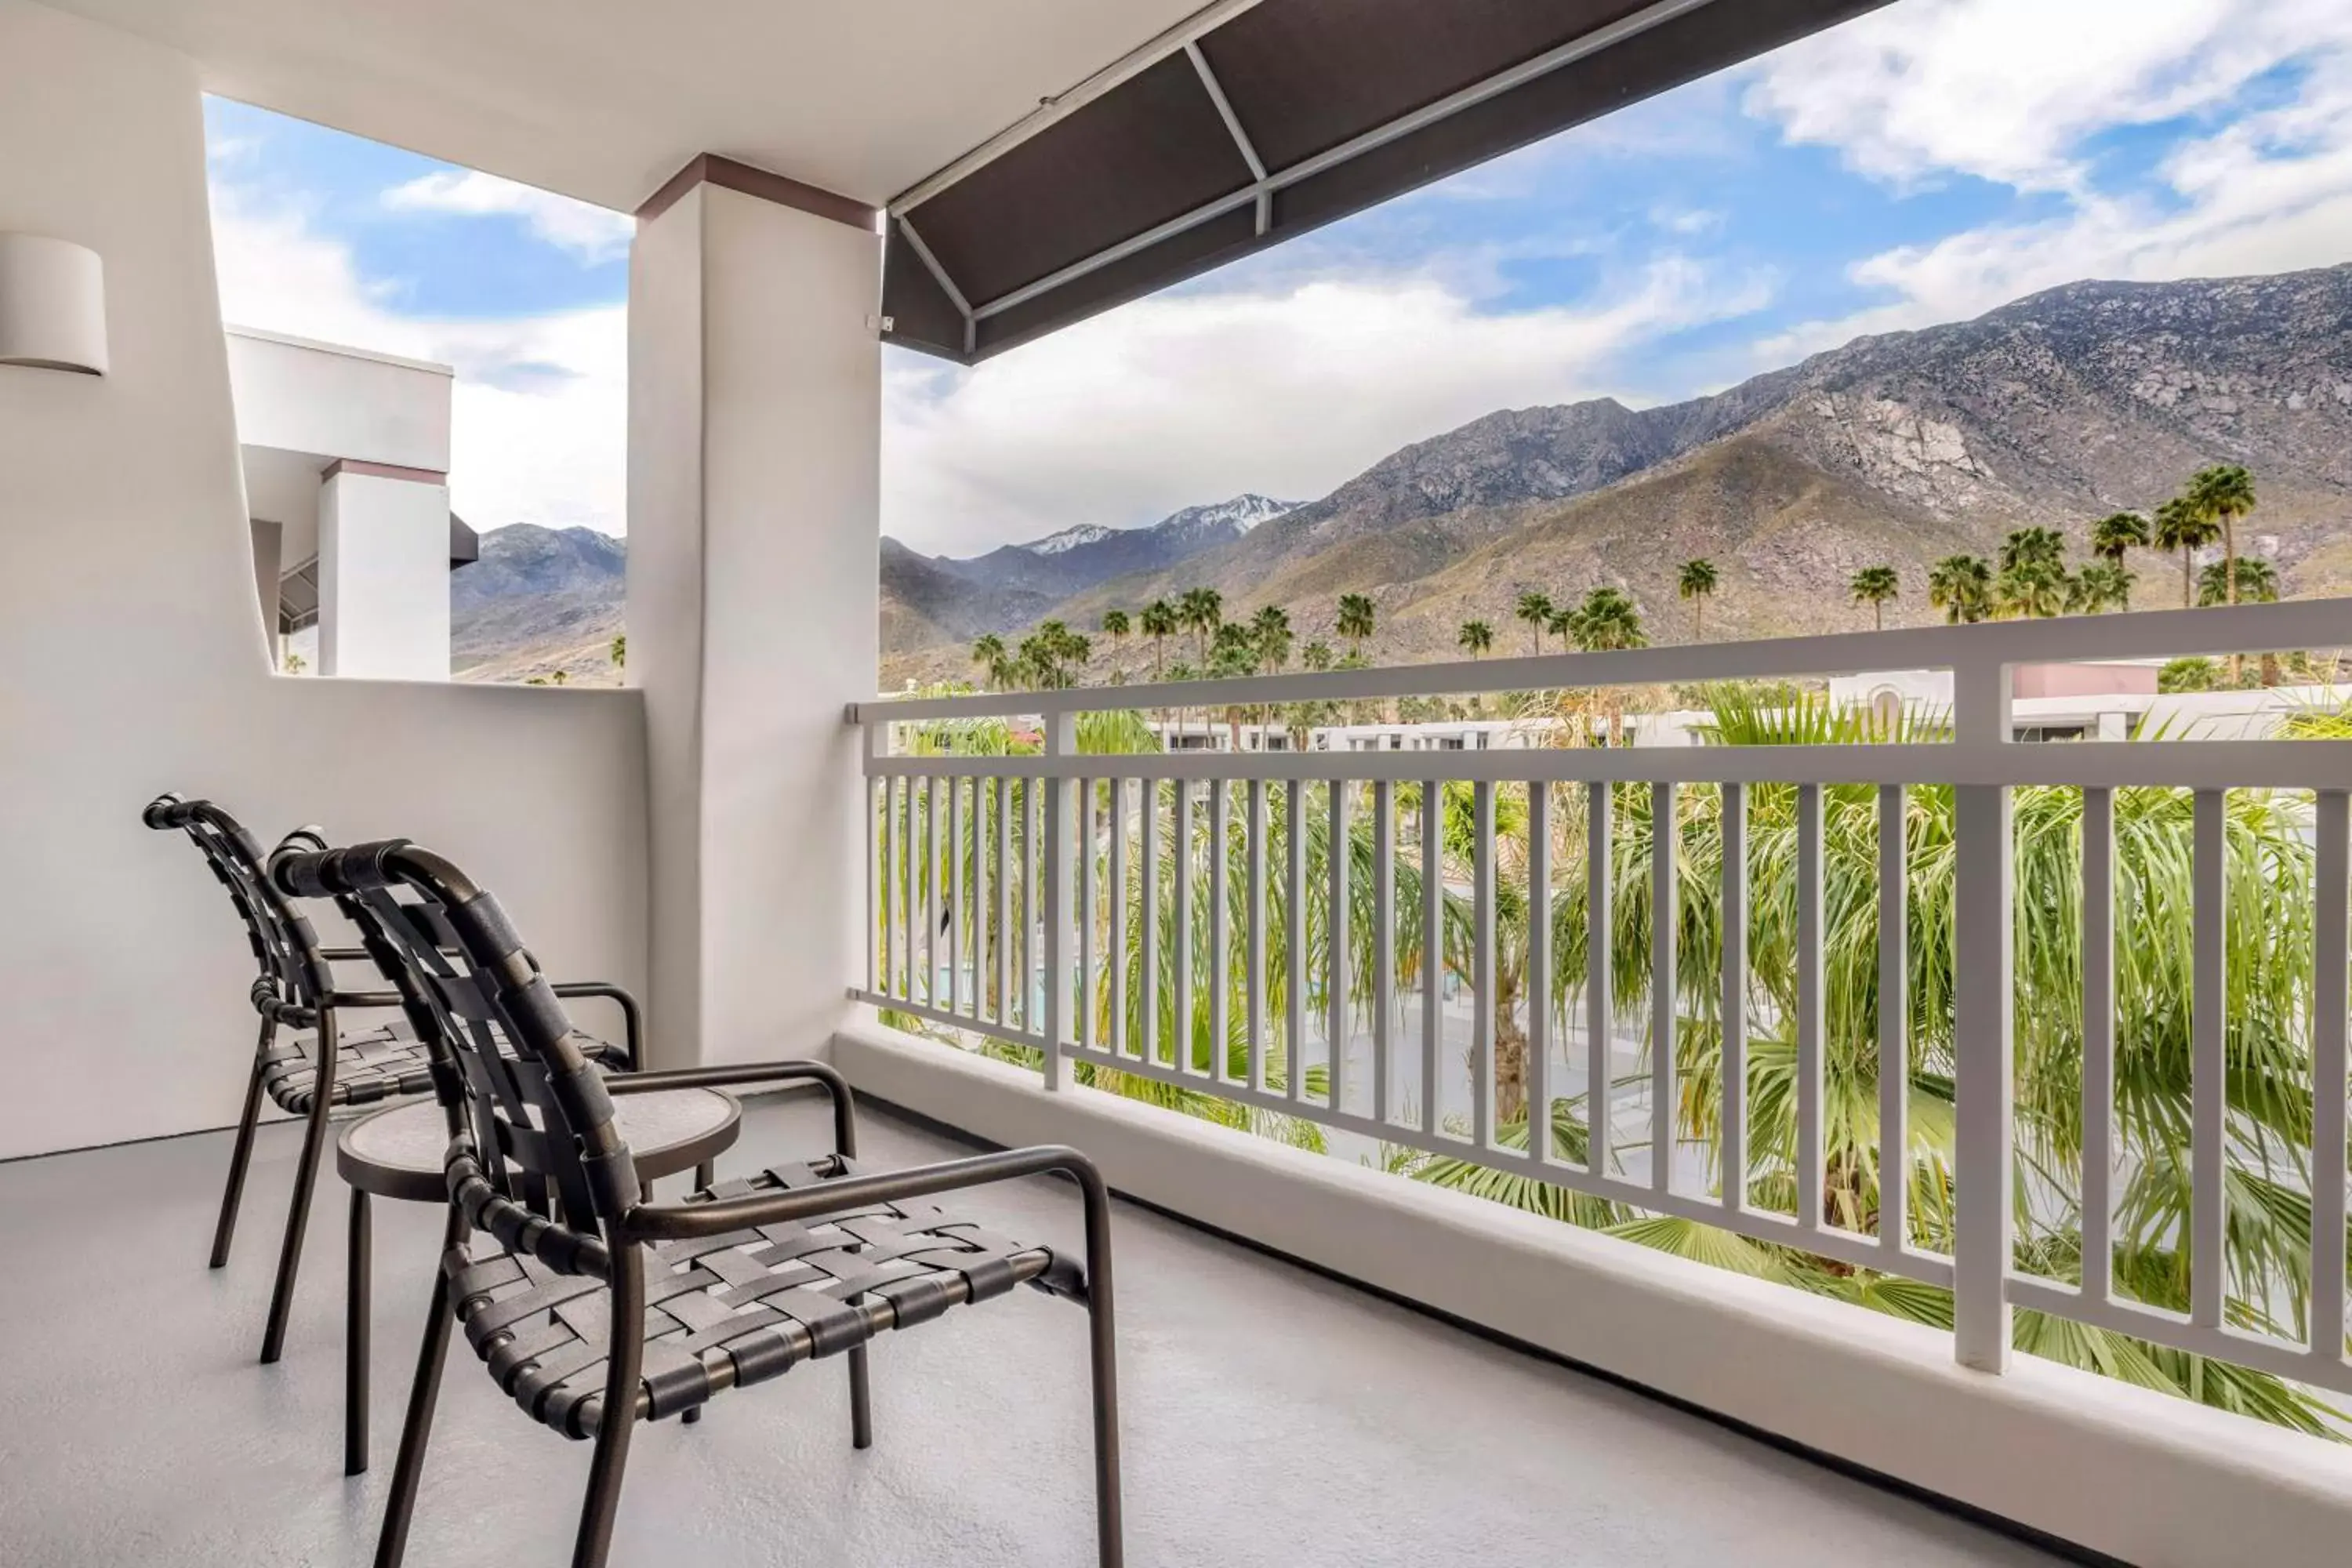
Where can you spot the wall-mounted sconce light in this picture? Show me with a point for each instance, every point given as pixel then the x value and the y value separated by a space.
pixel 52 305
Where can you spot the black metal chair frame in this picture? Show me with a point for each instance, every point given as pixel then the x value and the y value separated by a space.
pixel 296 990
pixel 537 1165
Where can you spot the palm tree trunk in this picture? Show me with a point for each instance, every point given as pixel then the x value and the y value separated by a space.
pixel 1877 616
pixel 2187 598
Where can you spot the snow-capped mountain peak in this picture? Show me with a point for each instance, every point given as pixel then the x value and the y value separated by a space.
pixel 1069 539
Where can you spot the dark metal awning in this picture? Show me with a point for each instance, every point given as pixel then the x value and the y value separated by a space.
pixel 1258 122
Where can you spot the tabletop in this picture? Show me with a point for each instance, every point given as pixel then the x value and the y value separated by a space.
pixel 397 1153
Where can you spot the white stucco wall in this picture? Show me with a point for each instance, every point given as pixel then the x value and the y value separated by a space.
pixel 383 578
pixel 135 663
pixel 338 402
pixel 754 571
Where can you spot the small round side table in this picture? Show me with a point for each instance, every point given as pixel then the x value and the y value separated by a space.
pixel 397 1153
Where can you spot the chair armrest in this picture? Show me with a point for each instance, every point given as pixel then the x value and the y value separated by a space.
pixel 633 1023
pixel 701 1222
pixel 836 1087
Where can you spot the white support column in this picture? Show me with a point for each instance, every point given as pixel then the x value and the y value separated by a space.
pixel 754 479
pixel 383 575
pixel 1984 953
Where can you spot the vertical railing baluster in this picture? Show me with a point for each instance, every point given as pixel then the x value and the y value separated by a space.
pixel 1293 926
pixel 1665 912
pixel 1118 1031
pixel 1004 903
pixel 934 894
pixel 1255 1010
pixel 1733 1155
pixel 1030 888
pixel 1985 1065
pixel 981 901
pixel 1433 951
pixel 1810 1071
pixel 1383 943
pixel 1540 957
pixel 1600 973
pixel 2098 1042
pixel 1182 858
pixel 1057 826
pixel 906 915
pixel 958 928
pixel 2209 1064
pixel 1148 1003
pixel 1483 1022
pixel 1088 960
pixel 877 885
pixel 2332 964
pixel 1338 978
pixel 1220 931
pixel 1894 1020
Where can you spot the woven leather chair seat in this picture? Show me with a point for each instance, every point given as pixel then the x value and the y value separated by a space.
pixel 370 1065
pixel 737 1309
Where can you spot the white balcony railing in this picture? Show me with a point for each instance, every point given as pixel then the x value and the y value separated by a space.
pixel 960 904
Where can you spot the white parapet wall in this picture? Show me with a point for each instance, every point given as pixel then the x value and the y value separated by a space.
pixel 137 662
pixel 2143 1476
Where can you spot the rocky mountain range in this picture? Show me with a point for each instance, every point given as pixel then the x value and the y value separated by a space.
pixel 1892 449
pixel 538 601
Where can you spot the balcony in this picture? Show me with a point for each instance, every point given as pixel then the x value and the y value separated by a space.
pixel 1307 1074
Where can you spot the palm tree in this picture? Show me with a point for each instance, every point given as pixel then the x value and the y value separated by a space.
pixel 1476 638
pixel 2099 587
pixel 2257 581
pixel 2224 493
pixel 1535 609
pixel 2182 525
pixel 1961 586
pixel 1562 623
pixel 1116 626
pixel 1271 636
pixel 2026 546
pixel 1159 622
pixel 1316 656
pixel 1874 585
pixel 619 652
pixel 989 654
pixel 2035 586
pixel 1606 622
pixel 2116 532
pixel 1203 610
pixel 1697 583
pixel 1355 621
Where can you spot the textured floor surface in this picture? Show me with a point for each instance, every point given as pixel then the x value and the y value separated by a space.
pixel 1271 1417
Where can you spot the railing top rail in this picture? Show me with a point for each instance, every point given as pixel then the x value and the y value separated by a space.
pixel 2172 633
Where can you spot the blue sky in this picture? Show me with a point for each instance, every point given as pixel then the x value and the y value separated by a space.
pixel 1924 164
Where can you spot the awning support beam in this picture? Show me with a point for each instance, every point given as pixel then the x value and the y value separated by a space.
pixel 1242 141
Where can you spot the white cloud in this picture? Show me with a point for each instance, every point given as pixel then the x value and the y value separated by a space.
pixel 1190 398
pixel 2008 89
pixel 2267 191
pixel 591 233
pixel 540 406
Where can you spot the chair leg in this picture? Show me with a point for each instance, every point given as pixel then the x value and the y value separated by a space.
pixel 400 1504
pixel 617 1418
pixel 306 1178
pixel 297 1221
pixel 241 1155
pixel 358 1285
pixel 861 1401
pixel 1103 1353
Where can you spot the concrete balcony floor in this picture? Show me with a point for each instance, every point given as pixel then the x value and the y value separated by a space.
pixel 1271 1417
